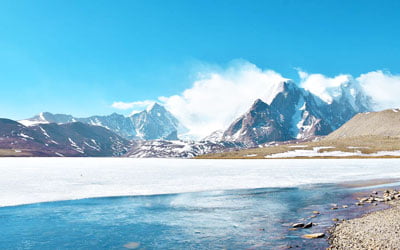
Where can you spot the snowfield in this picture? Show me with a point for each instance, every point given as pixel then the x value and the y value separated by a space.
pixel 315 153
pixel 31 180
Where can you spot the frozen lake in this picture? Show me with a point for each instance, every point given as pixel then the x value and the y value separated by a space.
pixel 32 180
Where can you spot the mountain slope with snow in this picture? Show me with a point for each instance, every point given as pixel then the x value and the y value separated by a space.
pixel 70 139
pixel 156 123
pixel 153 123
pixel 294 113
pixel 178 149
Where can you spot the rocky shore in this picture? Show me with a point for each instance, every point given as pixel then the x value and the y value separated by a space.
pixel 377 230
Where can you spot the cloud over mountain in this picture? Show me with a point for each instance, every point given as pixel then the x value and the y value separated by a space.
pixel 382 87
pixel 218 96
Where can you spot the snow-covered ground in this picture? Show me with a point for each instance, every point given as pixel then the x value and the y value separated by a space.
pixel 315 152
pixel 30 180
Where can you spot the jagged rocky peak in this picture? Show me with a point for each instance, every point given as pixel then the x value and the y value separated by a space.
pixel 156 123
pixel 255 127
pixel 295 113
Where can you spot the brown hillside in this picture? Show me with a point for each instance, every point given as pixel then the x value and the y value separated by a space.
pixel 383 123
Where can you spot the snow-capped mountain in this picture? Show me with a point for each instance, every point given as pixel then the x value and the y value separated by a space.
pixel 178 149
pixel 70 139
pixel 295 113
pixel 286 112
pixel 154 123
pixel 114 122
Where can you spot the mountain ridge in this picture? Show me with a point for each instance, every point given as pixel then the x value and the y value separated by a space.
pixel 70 139
pixel 153 123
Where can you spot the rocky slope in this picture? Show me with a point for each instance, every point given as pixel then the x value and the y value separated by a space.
pixel 71 139
pixel 383 123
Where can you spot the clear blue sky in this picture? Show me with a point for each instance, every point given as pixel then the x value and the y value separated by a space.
pixel 78 57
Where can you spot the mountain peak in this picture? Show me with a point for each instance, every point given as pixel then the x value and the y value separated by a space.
pixel 155 107
pixel 259 105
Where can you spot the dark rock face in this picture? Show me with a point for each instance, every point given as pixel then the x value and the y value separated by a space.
pixel 255 127
pixel 71 139
pixel 293 114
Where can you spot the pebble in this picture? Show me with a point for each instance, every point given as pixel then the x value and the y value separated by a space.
pixel 314 236
pixel 377 230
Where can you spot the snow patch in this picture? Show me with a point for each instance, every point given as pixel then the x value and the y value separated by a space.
pixel 44 132
pixel 25 136
pixel 75 146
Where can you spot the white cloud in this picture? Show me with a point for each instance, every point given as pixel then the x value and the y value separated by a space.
pixel 131 105
pixel 217 98
pixel 383 87
pixel 326 88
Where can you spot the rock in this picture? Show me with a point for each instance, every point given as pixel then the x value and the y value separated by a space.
pixel 335 219
pixel 314 236
pixel 313 216
pixel 308 225
pixel 316 212
pixel 363 199
pixel 375 192
pixel 296 225
pixel 345 206
pixel 359 204
pixel 334 208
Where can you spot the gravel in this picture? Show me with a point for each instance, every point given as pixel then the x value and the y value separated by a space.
pixel 378 230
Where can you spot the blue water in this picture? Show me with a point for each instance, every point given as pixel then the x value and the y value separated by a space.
pixel 237 219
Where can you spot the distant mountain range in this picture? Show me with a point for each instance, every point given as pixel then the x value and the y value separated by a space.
pixel 288 113
pixel 151 124
pixel 70 139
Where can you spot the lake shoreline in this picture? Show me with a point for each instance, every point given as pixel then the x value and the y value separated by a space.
pixel 372 229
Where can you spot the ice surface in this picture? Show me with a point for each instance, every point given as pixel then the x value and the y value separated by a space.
pixel 31 180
